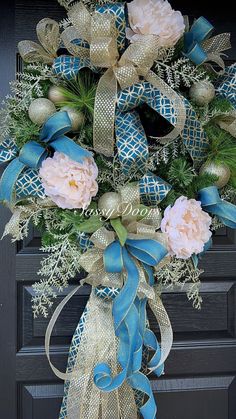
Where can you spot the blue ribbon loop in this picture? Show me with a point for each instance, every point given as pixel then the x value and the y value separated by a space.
pixel 212 203
pixel 32 153
pixel 129 313
pixel 199 32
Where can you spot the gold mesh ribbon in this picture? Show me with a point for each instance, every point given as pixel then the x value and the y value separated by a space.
pixel 98 344
pixel 49 37
pixel 100 32
pixel 214 48
pixel 227 122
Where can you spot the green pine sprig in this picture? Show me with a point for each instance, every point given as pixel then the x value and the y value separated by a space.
pixel 180 173
pixel 80 94
pixel 222 147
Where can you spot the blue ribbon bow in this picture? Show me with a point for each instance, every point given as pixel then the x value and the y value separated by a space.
pixel 32 153
pixel 199 32
pixel 129 313
pixel 212 203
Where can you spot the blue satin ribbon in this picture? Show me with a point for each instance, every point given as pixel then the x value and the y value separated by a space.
pixel 32 153
pixel 212 203
pixel 199 32
pixel 129 313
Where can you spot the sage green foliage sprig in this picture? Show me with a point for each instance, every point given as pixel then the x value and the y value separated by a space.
pixel 24 130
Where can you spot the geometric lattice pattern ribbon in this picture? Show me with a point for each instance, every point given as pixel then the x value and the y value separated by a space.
pixel 226 86
pixel 193 135
pixel 153 189
pixel 28 182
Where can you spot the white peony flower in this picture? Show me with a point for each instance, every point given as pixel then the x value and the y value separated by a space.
pixel 187 227
pixel 68 183
pixel 154 17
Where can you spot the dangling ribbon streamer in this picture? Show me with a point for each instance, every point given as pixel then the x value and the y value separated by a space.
pixel 32 153
pixel 212 203
pixel 106 262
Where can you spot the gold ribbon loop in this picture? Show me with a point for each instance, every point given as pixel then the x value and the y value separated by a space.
pixel 214 47
pixel 81 20
pixel 48 33
pixel 67 36
pixel 227 122
pixel 49 36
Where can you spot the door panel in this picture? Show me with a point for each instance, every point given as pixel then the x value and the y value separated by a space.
pixel 199 380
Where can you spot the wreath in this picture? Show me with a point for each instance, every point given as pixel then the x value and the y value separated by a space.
pixel 119 145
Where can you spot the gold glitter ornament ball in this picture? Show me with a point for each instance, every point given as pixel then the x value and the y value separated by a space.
pixel 40 110
pixel 109 205
pixel 76 117
pixel 220 170
pixel 202 92
pixel 55 94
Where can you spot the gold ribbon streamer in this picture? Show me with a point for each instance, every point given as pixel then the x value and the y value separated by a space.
pixel 100 32
pixel 98 344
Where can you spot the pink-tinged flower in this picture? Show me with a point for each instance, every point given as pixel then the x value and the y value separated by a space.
pixel 187 227
pixel 154 17
pixel 68 183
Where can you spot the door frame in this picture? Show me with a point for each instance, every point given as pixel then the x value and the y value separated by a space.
pixel 8 297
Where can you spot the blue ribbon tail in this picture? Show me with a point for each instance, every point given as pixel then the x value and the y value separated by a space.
pixel 140 382
pixel 126 320
pixel 9 178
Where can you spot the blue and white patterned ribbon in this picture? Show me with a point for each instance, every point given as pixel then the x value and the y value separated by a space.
pixel 32 154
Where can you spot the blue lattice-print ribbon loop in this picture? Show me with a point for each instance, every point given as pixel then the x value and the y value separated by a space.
pixel 193 135
pixel 32 154
pixel 131 141
pixel 153 189
pixel 8 150
pixel 69 67
pixel 28 182
pixel 84 241
pixel 118 11
pixel 226 85
pixel 133 148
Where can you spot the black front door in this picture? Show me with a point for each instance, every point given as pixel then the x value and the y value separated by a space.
pixel 200 378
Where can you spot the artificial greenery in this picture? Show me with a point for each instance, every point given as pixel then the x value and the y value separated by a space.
pixel 222 146
pixel 191 190
pixel 80 94
pixel 23 129
pixel 199 182
pixel 220 105
pixel 180 173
